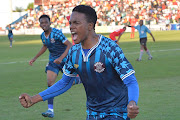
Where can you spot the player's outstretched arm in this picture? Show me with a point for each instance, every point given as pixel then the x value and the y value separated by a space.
pixel 58 88
pixel 42 50
pixel 129 26
pixel 27 101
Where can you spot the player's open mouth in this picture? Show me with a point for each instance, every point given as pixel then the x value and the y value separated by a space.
pixel 74 35
pixel 44 28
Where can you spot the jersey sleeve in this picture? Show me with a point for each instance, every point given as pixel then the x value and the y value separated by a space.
pixel 60 36
pixel 148 30
pixel 69 69
pixel 119 61
pixel 136 27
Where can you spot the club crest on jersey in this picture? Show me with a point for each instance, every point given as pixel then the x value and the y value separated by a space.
pixel 99 67
pixel 52 40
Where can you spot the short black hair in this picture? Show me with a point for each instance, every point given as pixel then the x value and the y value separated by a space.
pixel 88 11
pixel 44 16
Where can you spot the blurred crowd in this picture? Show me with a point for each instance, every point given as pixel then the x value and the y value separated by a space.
pixel 109 12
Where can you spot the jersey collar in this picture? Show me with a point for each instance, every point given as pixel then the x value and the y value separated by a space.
pixel 85 57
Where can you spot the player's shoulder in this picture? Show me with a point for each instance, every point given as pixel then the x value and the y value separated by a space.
pixel 104 39
pixel 107 44
pixel 55 30
pixel 42 34
pixel 75 47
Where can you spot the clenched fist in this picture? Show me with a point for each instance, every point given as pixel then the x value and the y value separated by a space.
pixel 25 100
pixel 132 109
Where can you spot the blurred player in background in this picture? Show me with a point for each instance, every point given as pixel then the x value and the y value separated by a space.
pixel 142 29
pixel 58 46
pixel 116 33
pixel 132 21
pixel 111 87
pixel 10 34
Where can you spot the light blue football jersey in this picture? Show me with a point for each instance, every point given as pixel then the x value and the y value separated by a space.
pixel 54 43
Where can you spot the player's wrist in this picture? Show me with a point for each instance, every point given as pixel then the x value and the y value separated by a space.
pixel 35 99
pixel 132 102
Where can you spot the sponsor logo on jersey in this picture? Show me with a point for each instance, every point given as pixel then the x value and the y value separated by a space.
pixel 99 67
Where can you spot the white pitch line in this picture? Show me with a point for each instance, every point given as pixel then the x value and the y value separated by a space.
pixel 156 51
pixel 125 53
pixel 21 62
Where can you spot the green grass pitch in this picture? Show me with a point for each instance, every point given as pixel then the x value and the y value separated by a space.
pixel 159 79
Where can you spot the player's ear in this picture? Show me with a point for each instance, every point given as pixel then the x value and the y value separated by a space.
pixel 90 26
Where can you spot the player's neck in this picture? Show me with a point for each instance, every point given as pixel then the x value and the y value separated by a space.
pixel 90 41
pixel 47 33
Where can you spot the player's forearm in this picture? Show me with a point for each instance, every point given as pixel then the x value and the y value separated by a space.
pixel 152 36
pixel 130 26
pixel 35 99
pixel 69 45
pixel 133 88
pixel 42 50
pixel 119 37
pixel 133 92
pixel 58 88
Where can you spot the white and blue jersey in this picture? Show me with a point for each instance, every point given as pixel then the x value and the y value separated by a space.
pixel 54 43
pixel 142 31
pixel 102 71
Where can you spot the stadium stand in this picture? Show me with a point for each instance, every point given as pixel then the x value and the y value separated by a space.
pixel 109 12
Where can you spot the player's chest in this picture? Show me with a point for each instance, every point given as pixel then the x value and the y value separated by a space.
pixel 142 30
pixel 49 41
pixel 96 62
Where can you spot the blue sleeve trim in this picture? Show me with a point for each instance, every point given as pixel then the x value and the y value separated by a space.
pixel 133 88
pixel 58 88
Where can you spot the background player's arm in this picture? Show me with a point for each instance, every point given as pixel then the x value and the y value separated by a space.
pixel 152 36
pixel 42 50
pixel 119 37
pixel 130 26
pixel 69 45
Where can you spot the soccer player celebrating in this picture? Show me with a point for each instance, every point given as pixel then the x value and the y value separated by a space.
pixel 111 87
pixel 10 34
pixel 118 33
pixel 58 46
pixel 142 29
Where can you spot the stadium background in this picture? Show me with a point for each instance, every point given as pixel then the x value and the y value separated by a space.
pixel 158 79
pixel 112 14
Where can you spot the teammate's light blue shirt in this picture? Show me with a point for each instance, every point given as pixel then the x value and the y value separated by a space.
pixel 102 72
pixel 10 33
pixel 54 43
pixel 142 31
